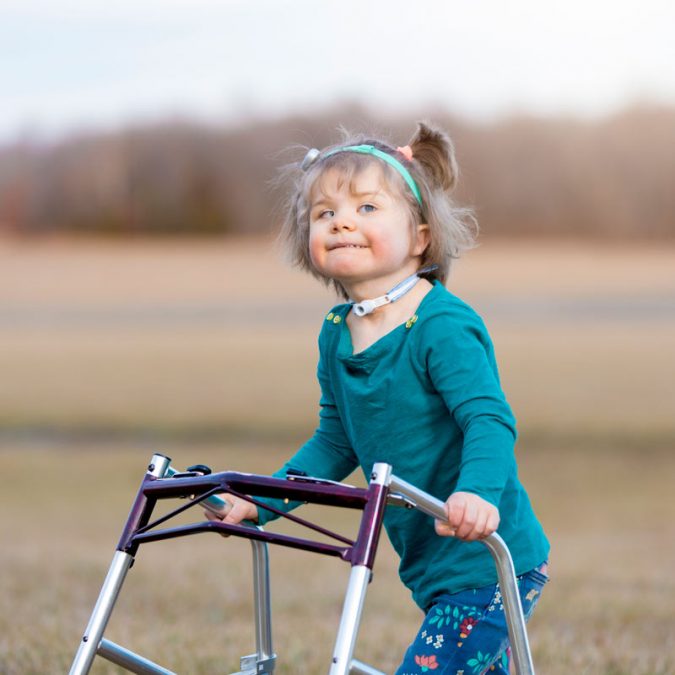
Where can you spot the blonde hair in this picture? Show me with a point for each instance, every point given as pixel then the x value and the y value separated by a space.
pixel 452 229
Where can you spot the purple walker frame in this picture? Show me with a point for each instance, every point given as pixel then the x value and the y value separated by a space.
pixel 161 481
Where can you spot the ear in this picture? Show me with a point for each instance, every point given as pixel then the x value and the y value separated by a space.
pixel 422 237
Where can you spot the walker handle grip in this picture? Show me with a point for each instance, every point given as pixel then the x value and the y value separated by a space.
pixel 215 504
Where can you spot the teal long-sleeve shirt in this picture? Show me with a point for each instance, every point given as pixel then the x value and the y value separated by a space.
pixel 426 399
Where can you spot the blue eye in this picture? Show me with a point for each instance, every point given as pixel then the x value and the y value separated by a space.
pixel 326 213
pixel 367 208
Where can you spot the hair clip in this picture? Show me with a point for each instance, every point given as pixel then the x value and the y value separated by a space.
pixel 311 157
pixel 406 151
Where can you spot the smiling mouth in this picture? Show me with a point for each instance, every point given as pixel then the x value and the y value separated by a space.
pixel 338 246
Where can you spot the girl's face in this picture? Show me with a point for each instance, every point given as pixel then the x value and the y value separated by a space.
pixel 360 232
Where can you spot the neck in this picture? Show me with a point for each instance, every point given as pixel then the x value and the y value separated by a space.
pixel 394 313
pixel 368 306
pixel 373 288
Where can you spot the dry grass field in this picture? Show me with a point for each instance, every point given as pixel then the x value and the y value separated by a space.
pixel 206 351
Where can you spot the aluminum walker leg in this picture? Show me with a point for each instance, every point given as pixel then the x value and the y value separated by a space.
pixel 349 623
pixel 508 584
pixel 119 567
pixel 359 578
pixel 110 590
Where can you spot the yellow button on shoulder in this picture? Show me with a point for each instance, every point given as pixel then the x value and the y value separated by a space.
pixel 329 316
pixel 409 323
pixel 337 318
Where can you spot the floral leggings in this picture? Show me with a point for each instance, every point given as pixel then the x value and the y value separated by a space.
pixel 466 634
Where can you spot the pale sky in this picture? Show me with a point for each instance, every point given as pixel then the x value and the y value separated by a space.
pixel 65 64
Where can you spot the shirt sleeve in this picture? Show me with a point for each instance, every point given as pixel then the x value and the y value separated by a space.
pixel 461 365
pixel 327 454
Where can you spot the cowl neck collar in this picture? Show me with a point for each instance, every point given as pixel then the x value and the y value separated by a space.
pixel 366 359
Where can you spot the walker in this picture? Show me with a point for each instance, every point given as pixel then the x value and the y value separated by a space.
pixel 200 486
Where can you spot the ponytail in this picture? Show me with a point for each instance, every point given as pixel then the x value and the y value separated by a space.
pixel 434 151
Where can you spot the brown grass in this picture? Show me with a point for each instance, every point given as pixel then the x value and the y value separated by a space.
pixel 586 378
pixel 79 354
pixel 187 603
pixel 594 400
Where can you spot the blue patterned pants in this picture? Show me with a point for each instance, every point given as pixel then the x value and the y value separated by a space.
pixel 466 634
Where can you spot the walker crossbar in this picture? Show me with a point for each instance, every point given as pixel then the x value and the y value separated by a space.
pixel 161 481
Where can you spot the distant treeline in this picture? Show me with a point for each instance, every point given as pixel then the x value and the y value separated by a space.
pixel 613 177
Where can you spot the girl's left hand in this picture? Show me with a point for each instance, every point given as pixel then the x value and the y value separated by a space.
pixel 469 517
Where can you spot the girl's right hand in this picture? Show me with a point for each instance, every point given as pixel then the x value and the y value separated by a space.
pixel 469 517
pixel 238 509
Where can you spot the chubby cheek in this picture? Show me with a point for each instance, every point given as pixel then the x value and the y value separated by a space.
pixel 317 250
pixel 390 248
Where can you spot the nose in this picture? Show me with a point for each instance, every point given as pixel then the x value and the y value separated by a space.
pixel 342 223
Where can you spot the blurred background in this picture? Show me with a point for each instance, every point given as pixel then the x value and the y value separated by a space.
pixel 145 304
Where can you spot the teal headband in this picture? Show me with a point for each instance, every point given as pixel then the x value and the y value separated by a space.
pixel 384 156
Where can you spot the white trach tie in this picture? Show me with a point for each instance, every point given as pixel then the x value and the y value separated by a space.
pixel 369 306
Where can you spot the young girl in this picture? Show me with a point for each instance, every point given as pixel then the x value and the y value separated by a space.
pixel 408 377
